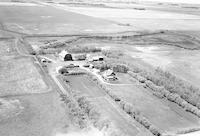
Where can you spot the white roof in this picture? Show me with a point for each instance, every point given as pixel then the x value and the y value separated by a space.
pixel 63 53
pixel 58 68
pixel 108 72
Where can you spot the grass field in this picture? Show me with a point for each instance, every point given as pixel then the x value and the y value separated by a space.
pixel 7 48
pixel 20 75
pixel 39 18
pixel 163 114
pixel 85 86
pixel 91 90
pixel 42 115
pixel 143 19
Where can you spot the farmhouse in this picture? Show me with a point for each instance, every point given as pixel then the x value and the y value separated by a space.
pixel 109 75
pixel 65 56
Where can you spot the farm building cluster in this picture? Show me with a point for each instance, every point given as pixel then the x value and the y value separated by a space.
pixel 108 75
pixel 66 56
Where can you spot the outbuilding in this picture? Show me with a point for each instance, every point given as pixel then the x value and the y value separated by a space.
pixel 61 70
pixel 65 56
pixel 91 58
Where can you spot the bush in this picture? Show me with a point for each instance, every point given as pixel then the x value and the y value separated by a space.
pixel 53 44
pixel 120 68
pixel 80 57
pixel 140 79
pixel 154 130
pixel 174 85
pixel 102 66
pixel 173 97
pixel 83 49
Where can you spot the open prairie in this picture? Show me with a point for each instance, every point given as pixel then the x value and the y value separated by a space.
pixel 37 19
pixel 41 115
pixel 147 19
pixel 21 76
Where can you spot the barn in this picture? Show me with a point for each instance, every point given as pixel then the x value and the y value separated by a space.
pixel 65 56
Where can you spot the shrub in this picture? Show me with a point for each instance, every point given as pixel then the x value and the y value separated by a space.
pixel 102 66
pixel 173 97
pixel 80 57
pixel 154 130
pixel 53 44
pixel 174 85
pixel 83 49
pixel 120 68
pixel 140 79
pixel 128 108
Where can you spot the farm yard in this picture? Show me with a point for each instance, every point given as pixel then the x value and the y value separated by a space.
pixel 99 68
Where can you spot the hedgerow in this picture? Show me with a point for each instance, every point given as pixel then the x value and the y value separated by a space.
pixel 161 92
pixel 128 108
pixel 82 49
pixel 186 91
pixel 117 67
pixel 84 113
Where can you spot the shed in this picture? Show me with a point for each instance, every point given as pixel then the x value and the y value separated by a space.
pixel 65 56
pixel 61 70
pixel 91 58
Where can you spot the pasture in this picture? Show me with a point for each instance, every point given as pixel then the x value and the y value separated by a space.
pixel 21 76
pixel 37 19
pixel 7 49
pixel 167 116
pixel 42 115
pixel 143 19
pixel 98 97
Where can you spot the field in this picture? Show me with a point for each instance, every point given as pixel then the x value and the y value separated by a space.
pixel 42 115
pixel 20 76
pixel 99 98
pixel 35 101
pixel 7 49
pixel 37 19
pixel 142 19
pixel 165 115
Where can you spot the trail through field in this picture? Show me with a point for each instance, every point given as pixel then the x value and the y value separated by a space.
pixel 90 132
pixel 191 134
